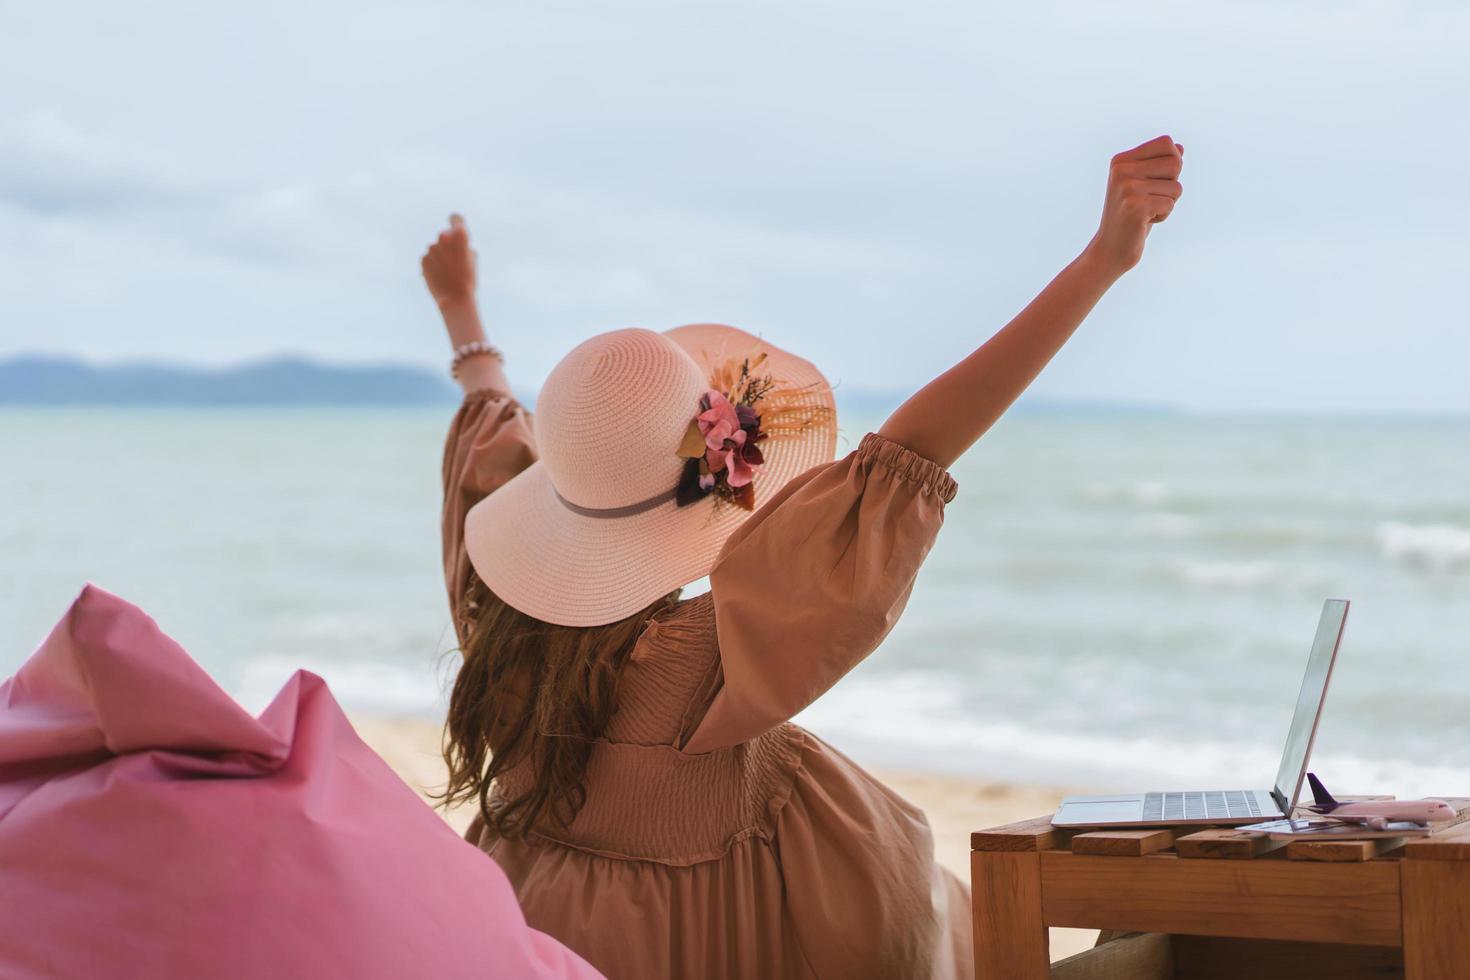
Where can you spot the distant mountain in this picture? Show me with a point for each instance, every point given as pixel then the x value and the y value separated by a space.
pixel 38 380
pixel 41 380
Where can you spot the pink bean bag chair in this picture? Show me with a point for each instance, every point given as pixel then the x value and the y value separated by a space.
pixel 149 827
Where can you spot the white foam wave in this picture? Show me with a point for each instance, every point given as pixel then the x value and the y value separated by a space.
pixel 1228 574
pixel 358 685
pixel 1150 493
pixel 915 718
pixel 1146 493
pixel 1438 547
pixel 1167 524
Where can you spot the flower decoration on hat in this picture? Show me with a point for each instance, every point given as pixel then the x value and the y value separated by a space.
pixel 722 446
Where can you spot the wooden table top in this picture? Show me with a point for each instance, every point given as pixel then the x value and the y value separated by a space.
pixel 1224 843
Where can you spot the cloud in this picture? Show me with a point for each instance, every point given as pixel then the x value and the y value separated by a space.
pixel 48 166
pixel 124 227
pixel 555 247
pixel 880 184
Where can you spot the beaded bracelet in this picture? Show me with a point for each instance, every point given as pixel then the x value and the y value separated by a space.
pixel 474 347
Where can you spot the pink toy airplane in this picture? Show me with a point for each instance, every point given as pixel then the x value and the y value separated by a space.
pixel 1377 814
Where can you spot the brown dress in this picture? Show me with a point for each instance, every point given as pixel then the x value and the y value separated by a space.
pixel 718 839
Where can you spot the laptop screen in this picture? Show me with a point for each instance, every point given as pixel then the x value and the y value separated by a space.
pixel 1309 703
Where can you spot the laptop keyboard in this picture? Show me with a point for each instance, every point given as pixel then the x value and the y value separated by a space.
pixel 1165 807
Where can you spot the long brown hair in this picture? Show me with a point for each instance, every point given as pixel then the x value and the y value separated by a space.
pixel 535 693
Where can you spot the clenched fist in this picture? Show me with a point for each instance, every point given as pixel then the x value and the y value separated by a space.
pixel 449 265
pixel 1143 186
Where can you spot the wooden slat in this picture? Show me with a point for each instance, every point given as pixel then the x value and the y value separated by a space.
pixel 1366 850
pixel 1218 958
pixel 1122 843
pixel 1436 919
pixel 1341 850
pixel 1334 903
pixel 1036 834
pixel 1447 845
pixel 1010 937
pixel 1232 845
pixel 1140 956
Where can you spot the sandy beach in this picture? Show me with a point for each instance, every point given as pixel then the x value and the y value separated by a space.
pixel 955 805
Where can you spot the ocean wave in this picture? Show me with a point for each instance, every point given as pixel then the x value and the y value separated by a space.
pixel 1229 574
pixel 1146 493
pixel 913 719
pixel 1167 524
pixel 1437 547
pixel 921 719
pixel 358 685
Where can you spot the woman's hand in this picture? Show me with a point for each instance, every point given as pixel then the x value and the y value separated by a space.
pixel 449 272
pixel 449 266
pixel 1143 185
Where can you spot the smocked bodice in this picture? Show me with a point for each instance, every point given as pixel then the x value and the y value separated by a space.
pixel 649 801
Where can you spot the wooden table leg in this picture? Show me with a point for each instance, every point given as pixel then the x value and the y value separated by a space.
pixel 1010 939
pixel 1436 909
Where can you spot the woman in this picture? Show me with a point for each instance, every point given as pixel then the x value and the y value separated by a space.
pixel 630 752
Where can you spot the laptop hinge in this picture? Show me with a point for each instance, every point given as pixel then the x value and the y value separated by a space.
pixel 1280 799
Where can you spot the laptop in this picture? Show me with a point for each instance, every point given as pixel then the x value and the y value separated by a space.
pixel 1230 806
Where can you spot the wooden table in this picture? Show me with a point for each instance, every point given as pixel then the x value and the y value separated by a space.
pixel 1220 903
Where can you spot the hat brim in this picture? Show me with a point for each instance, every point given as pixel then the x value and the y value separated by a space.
pixel 574 569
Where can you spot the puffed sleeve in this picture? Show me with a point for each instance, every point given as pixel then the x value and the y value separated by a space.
pixel 490 441
pixel 813 582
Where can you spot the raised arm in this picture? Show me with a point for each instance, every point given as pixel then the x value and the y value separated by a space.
pixel 449 272
pixel 490 439
pixel 947 416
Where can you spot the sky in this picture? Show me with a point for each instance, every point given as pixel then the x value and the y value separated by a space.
pixel 876 185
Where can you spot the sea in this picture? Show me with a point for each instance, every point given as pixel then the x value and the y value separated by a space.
pixel 1116 600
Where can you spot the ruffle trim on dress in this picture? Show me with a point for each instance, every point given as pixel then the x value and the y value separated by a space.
pixel 688 621
pixel 908 465
pixel 677 630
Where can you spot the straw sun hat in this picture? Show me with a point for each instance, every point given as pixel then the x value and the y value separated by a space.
pixel 612 516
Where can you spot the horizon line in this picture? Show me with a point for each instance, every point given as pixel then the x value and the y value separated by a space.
pixel 1029 402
